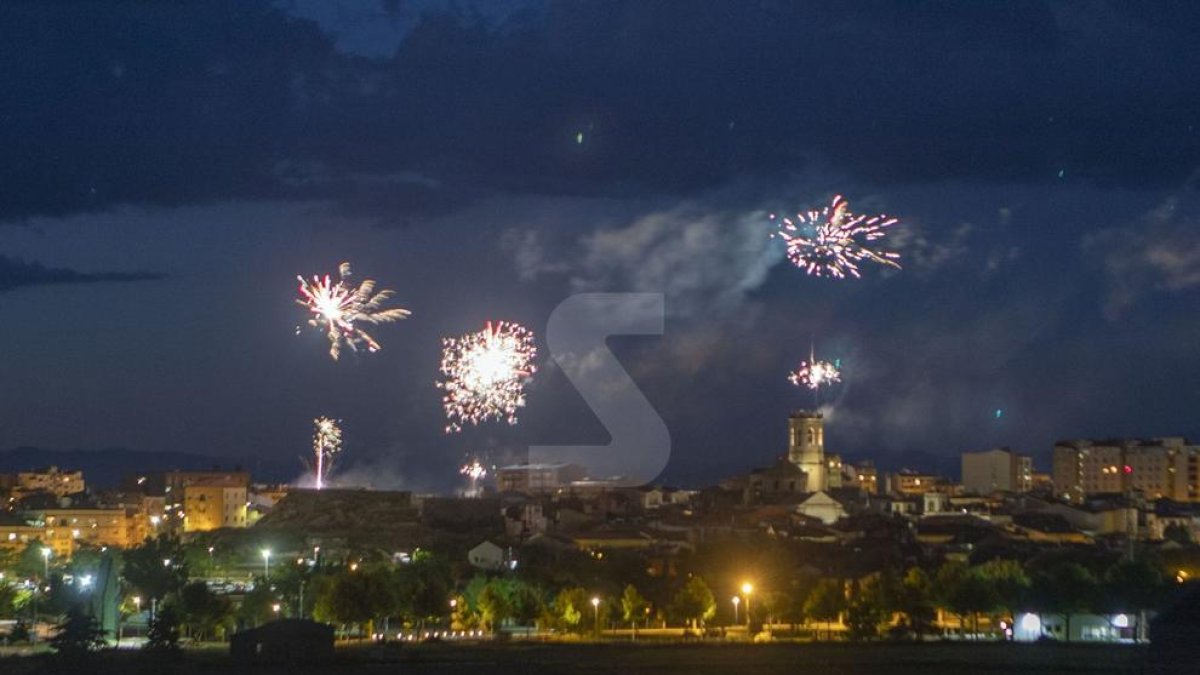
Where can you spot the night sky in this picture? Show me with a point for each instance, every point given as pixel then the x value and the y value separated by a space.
pixel 168 169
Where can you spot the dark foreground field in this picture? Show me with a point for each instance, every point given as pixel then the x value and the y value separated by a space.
pixel 725 659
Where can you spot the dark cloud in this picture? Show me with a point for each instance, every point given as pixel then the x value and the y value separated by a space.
pixel 16 273
pixel 125 102
pixel 1159 252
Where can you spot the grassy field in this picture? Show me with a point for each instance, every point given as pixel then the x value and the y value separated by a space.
pixel 725 659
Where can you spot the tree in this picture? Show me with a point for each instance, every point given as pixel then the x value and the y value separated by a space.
pixel 461 616
pixel 633 606
pixel 494 605
pixel 694 602
pixel 423 589
pixel 525 602
pixel 157 567
pixel 972 595
pixel 865 610
pixel 568 609
pixel 8 600
pixel 258 605
pixel 78 634
pixel 31 563
pixel 965 591
pixel 916 602
pixel 1010 584
pixel 788 604
pixel 826 602
pixel 163 634
pixel 361 597
pixel 1066 589
pixel 203 612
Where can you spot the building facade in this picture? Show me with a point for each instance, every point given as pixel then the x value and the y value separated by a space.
pixel 997 470
pixel 218 498
pixel 86 527
pixel 51 479
pixel 1162 468
pixel 213 504
pixel 864 476
pixel 538 478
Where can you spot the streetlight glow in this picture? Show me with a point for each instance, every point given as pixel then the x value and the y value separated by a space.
pixel 747 589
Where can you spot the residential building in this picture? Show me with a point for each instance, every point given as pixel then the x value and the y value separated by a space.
pixel 1162 468
pixel 913 484
pixel 219 498
pixel 538 478
pixel 16 533
pixel 997 470
pixel 775 482
pixel 214 502
pixel 1186 474
pixel 92 527
pixel 51 479
pixel 865 477
pixel 833 472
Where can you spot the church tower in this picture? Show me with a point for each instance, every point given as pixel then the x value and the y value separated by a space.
pixel 806 446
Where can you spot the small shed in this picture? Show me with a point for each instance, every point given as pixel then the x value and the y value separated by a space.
pixel 283 641
pixel 486 556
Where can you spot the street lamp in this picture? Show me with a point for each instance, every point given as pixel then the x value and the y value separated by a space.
pixel 747 588
pixel 137 602
pixel 46 559
pixel 596 611
pixel 275 608
pixel 266 554
pixel 736 600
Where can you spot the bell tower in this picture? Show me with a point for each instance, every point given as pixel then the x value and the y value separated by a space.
pixel 806 446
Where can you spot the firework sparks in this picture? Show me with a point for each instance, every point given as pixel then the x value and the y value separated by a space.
pixel 833 242
pixel 475 472
pixel 815 374
pixel 327 442
pixel 485 373
pixel 337 306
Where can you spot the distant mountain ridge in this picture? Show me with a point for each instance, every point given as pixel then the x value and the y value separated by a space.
pixel 104 468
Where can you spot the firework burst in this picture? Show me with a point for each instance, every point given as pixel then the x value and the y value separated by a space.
pixel 327 442
pixel 833 242
pixel 475 472
pixel 485 373
pixel 337 306
pixel 815 374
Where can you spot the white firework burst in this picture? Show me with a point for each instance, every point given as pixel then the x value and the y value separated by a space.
pixel 484 374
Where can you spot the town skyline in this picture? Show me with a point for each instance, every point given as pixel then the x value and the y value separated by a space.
pixel 488 165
